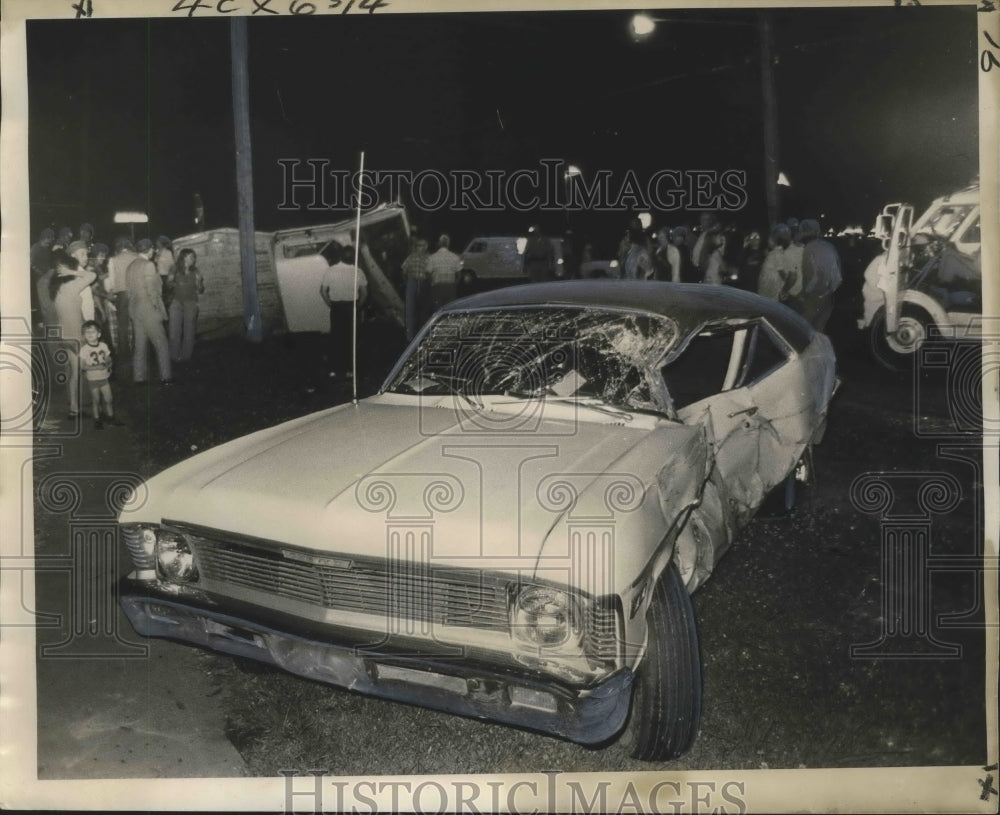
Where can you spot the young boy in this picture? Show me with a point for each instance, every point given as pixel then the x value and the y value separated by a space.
pixel 95 361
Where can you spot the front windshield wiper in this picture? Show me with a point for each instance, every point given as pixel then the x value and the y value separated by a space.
pixel 594 404
pixel 449 382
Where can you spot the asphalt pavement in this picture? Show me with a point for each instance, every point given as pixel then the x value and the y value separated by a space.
pixel 110 703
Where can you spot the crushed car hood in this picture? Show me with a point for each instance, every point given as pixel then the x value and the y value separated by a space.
pixel 370 478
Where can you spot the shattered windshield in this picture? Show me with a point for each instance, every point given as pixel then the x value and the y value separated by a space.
pixel 603 355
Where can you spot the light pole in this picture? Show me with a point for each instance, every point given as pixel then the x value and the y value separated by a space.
pixel 643 25
pixel 572 171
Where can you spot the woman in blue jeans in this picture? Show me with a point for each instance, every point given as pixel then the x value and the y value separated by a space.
pixel 185 283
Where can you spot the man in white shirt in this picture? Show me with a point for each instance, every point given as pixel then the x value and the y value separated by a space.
pixel 443 268
pixel 344 288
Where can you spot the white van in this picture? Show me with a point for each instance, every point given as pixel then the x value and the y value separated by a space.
pixel 495 258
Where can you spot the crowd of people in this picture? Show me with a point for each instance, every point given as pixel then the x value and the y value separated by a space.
pixel 105 309
pixel 431 280
pixel 796 266
pixel 108 309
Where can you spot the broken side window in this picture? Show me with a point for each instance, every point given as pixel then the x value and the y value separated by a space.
pixel 720 358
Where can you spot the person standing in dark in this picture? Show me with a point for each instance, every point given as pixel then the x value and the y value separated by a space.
pixel 539 257
pixel 104 306
pixel 118 265
pixel 443 268
pixel 164 259
pixel 148 314
pixel 87 234
pixel 821 274
pixel 780 276
pixel 751 259
pixel 684 271
pixel 714 254
pixel 67 282
pixel 344 288
pixel 662 267
pixel 41 271
pixel 415 273
pixel 637 265
pixel 64 238
pixel 41 253
pixel 700 253
pixel 185 284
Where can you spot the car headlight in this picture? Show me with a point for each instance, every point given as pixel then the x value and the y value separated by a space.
pixel 613 264
pixel 547 617
pixel 174 558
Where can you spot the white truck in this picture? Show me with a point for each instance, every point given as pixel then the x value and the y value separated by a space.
pixel 290 267
pixel 928 277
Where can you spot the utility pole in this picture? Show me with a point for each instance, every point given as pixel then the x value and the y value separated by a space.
pixel 244 176
pixel 770 114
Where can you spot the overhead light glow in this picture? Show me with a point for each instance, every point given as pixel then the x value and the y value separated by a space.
pixel 643 25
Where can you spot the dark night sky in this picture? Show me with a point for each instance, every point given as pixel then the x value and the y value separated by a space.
pixel 874 104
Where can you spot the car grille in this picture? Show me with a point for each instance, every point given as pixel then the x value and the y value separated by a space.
pixel 400 590
pixel 396 590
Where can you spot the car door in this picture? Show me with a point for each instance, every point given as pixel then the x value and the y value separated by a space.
pixel 738 381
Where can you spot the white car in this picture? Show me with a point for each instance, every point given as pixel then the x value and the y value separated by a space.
pixel 510 529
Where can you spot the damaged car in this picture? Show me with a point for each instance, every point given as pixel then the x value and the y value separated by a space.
pixel 512 527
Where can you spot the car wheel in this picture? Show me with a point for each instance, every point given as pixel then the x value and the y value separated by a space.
pixel 468 277
pixel 895 351
pixel 666 702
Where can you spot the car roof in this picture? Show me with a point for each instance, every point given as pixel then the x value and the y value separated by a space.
pixel 691 305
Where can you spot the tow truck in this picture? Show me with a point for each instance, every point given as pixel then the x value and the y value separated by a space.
pixel 927 281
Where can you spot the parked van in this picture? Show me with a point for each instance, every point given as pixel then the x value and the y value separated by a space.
pixel 494 258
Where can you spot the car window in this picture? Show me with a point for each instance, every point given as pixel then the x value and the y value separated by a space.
pixel 971 235
pixel 947 219
pixel 721 358
pixel 476 246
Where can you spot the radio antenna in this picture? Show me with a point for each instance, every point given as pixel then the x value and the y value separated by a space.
pixel 354 312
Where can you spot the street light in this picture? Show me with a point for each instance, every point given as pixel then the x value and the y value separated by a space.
pixel 643 25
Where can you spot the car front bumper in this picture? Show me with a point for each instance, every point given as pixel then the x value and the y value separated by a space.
pixel 589 715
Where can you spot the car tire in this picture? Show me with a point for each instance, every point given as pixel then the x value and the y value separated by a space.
pixel 895 352
pixel 666 701
pixel 467 277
